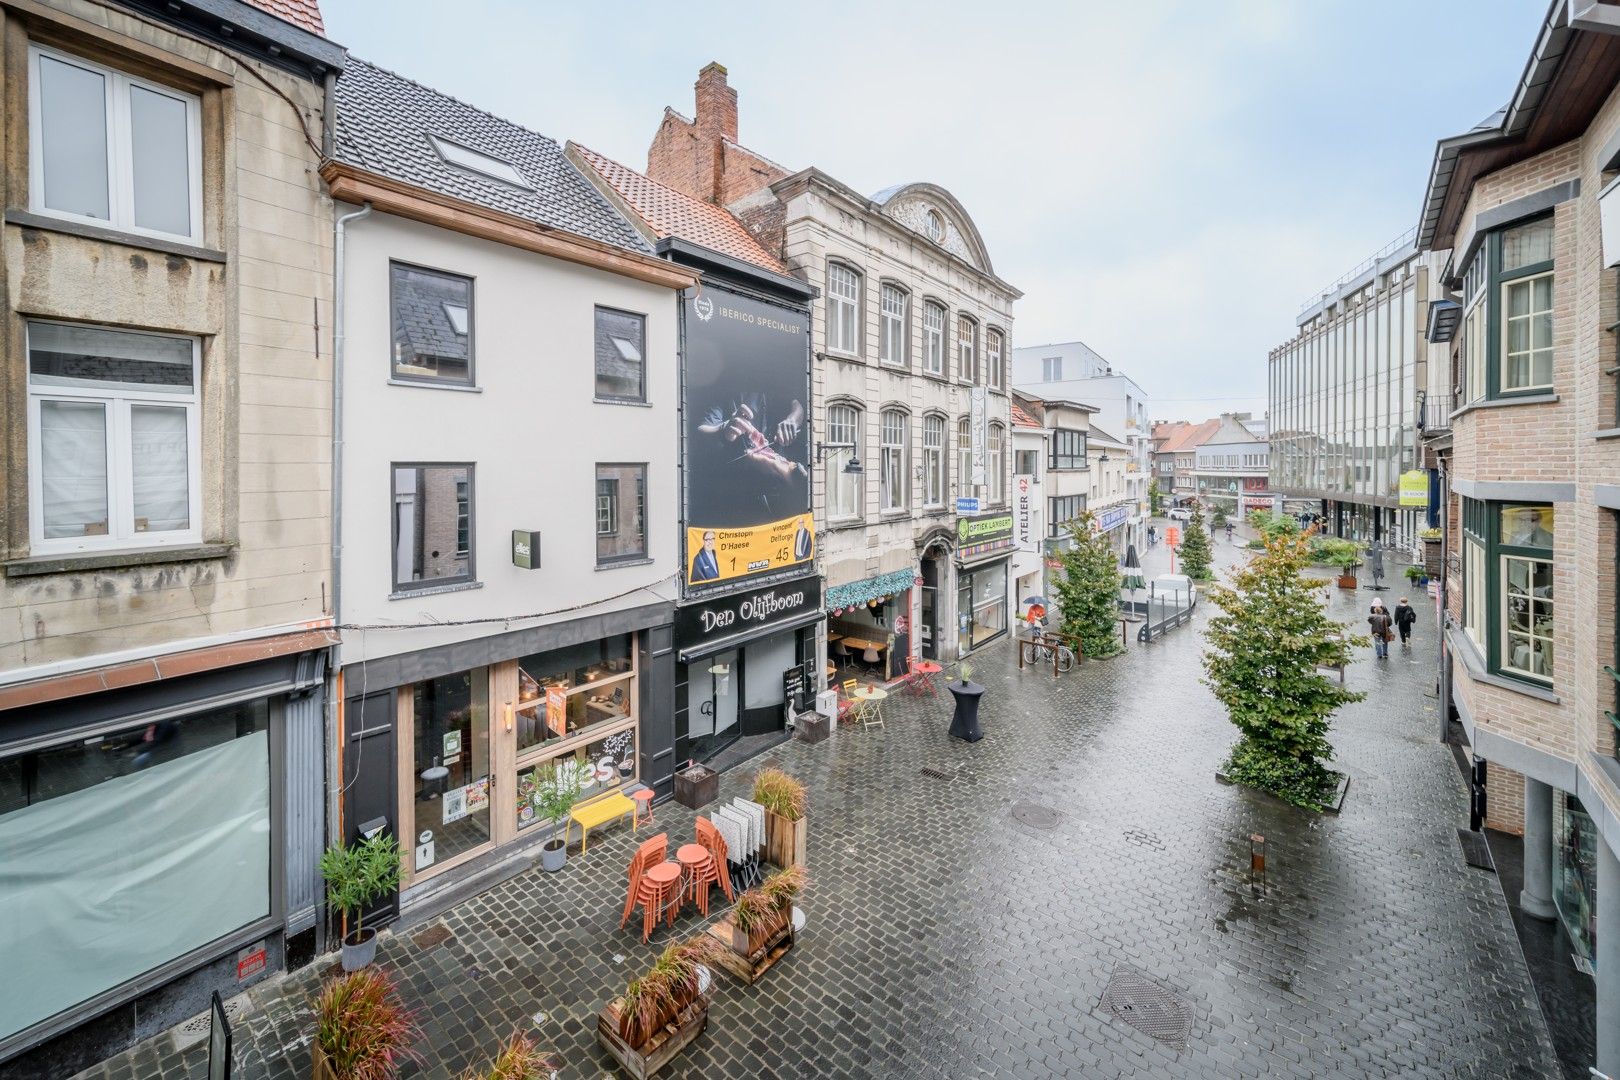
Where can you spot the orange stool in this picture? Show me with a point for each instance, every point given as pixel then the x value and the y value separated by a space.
pixel 644 801
pixel 697 874
pixel 710 838
pixel 648 855
pixel 660 889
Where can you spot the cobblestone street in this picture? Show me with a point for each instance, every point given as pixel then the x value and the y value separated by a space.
pixel 947 938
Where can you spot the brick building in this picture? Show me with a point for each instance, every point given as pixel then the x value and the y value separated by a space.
pixel 910 338
pixel 1515 214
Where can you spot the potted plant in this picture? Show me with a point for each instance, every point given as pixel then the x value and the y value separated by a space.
pixel 1347 562
pixel 357 874
pixel 660 1013
pixel 759 929
pixel 784 801
pixel 362 1031
pixel 1416 575
pixel 556 793
pixel 519 1058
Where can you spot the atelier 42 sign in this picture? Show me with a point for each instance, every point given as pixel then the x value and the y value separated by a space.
pixel 752 610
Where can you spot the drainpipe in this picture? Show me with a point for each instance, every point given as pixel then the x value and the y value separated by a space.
pixel 334 785
pixel 1443 687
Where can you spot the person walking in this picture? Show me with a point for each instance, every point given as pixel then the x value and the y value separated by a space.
pixel 1228 532
pixel 1380 622
pixel 1405 617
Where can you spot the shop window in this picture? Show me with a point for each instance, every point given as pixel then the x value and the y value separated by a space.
pixel 994 361
pixel 433 525
pixel 621 518
pixel 1068 450
pixel 933 461
pixel 598 767
pixel 450 735
pixel 933 338
pixel 842 445
pixel 981 605
pixel 1508 594
pixel 1576 894
pixel 843 309
pixel 896 312
pixel 110 149
pixel 621 343
pixel 432 315
pixel 894 446
pixel 113 439
pixel 572 691
pixel 137 846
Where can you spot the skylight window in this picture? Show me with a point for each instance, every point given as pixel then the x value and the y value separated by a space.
pixel 627 349
pixel 457 314
pixel 465 158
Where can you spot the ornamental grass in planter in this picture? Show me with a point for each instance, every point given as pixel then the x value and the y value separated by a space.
pixel 660 996
pixel 761 913
pixel 362 1030
pixel 519 1058
pixel 786 828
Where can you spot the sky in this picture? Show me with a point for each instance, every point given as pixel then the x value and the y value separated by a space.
pixel 1166 181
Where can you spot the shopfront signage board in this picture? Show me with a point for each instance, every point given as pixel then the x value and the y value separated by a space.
pixel 745 612
pixel 1110 518
pixel 1024 512
pixel 746 399
pixel 793 689
pixel 979 419
pixel 1415 488
pixel 967 505
pixel 526 549
pixel 976 536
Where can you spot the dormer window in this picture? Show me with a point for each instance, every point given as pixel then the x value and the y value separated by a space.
pixel 463 157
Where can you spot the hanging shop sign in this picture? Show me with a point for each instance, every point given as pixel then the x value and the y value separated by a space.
pixel 1024 512
pixel 967 504
pixel 1110 517
pixel 976 536
pixel 1415 488
pixel 746 391
pixel 752 612
pixel 526 549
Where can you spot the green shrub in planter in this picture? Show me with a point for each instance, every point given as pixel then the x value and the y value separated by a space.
pixel 1414 574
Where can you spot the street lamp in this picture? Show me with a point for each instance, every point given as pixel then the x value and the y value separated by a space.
pixel 852 466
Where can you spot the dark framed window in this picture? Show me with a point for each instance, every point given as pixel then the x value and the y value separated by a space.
pixel 433 530
pixel 1068 450
pixel 621 350
pixel 621 513
pixel 1508 291
pixel 432 315
pixel 1508 594
pixel 1062 509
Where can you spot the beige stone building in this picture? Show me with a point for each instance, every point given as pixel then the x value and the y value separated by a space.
pixel 165 521
pixel 1533 476
pixel 910 339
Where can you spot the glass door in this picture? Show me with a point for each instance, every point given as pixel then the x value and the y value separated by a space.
pixel 449 724
pixel 712 688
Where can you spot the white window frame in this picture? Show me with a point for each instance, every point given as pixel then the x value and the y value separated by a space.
pixel 1474 591
pixel 1529 283
pixel 934 320
pixel 964 456
pixel 1501 614
pixel 893 434
pixel 843 310
pixel 893 324
pixel 933 493
pixel 120 171
pixel 967 349
pixel 121 534
pixel 995 467
pixel 843 442
pixel 995 371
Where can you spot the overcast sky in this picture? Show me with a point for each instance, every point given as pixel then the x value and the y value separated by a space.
pixel 1165 181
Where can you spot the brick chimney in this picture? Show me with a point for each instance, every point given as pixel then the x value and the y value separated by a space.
pixel 693 156
pixel 716 104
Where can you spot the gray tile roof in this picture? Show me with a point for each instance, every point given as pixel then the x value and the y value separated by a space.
pixel 383 124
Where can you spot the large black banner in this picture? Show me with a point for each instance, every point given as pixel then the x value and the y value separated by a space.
pixel 747 437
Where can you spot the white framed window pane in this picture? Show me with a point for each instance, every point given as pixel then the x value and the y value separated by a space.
pixel 160 159
pixel 160 451
pixel 109 360
pixel 1525 245
pixel 73 468
pixel 73 139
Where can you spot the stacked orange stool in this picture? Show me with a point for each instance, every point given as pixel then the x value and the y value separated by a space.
pixel 660 891
pixel 647 856
pixel 710 838
pixel 698 873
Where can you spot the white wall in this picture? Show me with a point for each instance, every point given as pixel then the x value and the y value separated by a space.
pixel 532 429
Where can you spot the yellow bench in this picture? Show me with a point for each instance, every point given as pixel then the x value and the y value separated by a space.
pixel 599 811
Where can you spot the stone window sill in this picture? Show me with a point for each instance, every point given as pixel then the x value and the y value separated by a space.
pixel 845 525
pixel 435 590
pixel 115 560
pixel 1607 433
pixel 424 384
pixel 1462 645
pixel 621 401
pixel 45 223
pixel 1503 403
pixel 622 563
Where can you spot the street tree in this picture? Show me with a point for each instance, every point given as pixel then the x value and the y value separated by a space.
pixel 1263 659
pixel 1155 497
pixel 1195 553
pixel 1088 589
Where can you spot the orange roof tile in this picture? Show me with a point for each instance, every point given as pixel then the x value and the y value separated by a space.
pixel 1020 418
pixel 670 213
pixel 301 13
pixel 1190 436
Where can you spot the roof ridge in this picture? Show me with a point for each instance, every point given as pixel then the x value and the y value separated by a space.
pixel 451 97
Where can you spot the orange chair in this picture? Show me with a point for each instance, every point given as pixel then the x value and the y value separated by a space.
pixel 847 703
pixel 648 855
pixel 644 801
pixel 710 838
pixel 698 873
pixel 660 891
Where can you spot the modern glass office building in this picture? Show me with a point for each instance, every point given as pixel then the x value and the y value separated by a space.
pixel 1345 395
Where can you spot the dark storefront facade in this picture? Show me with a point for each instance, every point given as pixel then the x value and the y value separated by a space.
pixel 984 547
pixel 157 843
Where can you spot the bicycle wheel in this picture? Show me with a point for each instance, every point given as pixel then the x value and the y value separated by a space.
pixel 1065 658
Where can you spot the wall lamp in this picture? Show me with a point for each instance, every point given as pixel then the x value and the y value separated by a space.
pixel 852 466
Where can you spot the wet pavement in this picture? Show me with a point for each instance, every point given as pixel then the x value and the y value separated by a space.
pixel 949 937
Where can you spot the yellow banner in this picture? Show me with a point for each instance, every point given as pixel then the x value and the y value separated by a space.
pixel 724 554
pixel 1415 488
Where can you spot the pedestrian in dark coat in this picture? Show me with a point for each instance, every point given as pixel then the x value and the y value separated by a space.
pixel 1379 622
pixel 1405 617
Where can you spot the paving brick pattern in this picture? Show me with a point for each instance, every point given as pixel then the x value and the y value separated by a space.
pixel 948 939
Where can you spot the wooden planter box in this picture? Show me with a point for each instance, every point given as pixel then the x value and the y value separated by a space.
pixel 785 840
pixel 734 956
pixel 645 1060
pixel 1431 557
pixel 697 787
pixel 812 727
pixel 319 1067
pixel 1348 581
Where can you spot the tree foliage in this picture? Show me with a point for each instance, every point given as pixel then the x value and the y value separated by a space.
pixel 1263 656
pixel 1155 497
pixel 1195 553
pixel 1088 590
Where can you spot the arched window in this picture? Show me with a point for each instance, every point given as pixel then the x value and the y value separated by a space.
pixel 843 443
pixel 964 456
pixel 892 337
pixel 893 444
pixel 995 453
pixel 967 348
pixel 933 493
pixel 994 363
pixel 933 338
pixel 843 309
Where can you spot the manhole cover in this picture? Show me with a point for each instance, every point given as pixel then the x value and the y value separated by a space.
pixel 1148 1007
pixel 1035 815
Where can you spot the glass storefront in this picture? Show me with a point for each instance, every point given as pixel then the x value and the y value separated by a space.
pixel 981 605
pixel 450 715
pixel 136 846
pixel 571 691
pixel 1575 895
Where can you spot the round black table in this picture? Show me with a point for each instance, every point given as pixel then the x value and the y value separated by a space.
pixel 965 723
